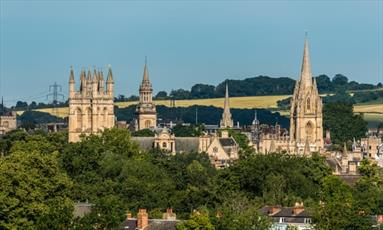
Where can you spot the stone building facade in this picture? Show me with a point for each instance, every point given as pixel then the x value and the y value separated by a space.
pixel 91 108
pixel 146 109
pixel 222 150
pixel 306 128
pixel 7 122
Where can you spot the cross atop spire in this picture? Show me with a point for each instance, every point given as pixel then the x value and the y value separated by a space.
pixel 306 76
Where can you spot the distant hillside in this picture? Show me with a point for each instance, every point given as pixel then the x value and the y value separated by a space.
pixel 264 85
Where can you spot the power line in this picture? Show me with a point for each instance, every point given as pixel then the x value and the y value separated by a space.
pixel 55 90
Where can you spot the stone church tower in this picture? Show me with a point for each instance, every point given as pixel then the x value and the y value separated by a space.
pixel 91 108
pixel 146 109
pixel 226 121
pixel 306 130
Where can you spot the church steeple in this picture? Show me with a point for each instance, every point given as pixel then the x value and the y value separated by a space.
pixel 306 76
pixel 226 121
pixel 146 109
pixel 145 77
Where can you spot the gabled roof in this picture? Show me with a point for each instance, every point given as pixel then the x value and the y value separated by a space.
pixel 227 142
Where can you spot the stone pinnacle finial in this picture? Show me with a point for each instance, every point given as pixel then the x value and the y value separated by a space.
pixel 71 75
pixel 110 74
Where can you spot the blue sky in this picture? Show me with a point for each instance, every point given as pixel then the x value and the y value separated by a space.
pixel 186 42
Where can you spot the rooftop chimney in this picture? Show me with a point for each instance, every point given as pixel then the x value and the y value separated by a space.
pixel 169 215
pixel 142 218
pixel 298 208
pixel 128 215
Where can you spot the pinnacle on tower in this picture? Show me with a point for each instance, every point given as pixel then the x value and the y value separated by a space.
pixel 306 77
pixel 110 75
pixel 71 75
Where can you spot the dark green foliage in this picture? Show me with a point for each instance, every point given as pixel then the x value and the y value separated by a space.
pixel 207 115
pixel 264 85
pixel 343 123
pixel 161 95
pixel 202 91
pixel 339 209
pixel 143 133
pixel 237 212
pixel 284 104
pixel 36 117
pixel 180 94
pixel 42 175
pixel 276 178
pixel 34 192
pixel 187 130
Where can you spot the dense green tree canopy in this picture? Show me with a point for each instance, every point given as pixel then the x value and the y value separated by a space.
pixel 34 192
pixel 42 176
pixel 344 125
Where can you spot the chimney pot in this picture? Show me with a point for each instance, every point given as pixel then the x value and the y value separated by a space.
pixel 142 218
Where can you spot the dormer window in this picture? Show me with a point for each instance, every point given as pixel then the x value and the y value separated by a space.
pixel 307 220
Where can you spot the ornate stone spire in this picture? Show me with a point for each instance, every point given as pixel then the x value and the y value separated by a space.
pixel 145 85
pixel 306 77
pixel 226 121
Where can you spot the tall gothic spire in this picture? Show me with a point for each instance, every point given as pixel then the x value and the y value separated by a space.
pixel 227 106
pixel 306 77
pixel 226 121
pixel 145 77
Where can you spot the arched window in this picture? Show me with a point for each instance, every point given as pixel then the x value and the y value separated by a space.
pixel 309 131
pixel 105 116
pixel 164 145
pixel 89 118
pixel 147 124
pixel 78 118
pixel 308 104
pixel 6 124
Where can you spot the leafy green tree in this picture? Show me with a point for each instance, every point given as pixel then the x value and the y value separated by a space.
pixel 187 130
pixel 143 133
pixel 34 192
pixel 198 221
pixel 343 123
pixel 161 95
pixel 334 211
pixel 237 212
pixel 368 191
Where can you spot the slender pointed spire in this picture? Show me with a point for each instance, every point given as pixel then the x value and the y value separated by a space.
pixel 227 106
pixel 71 75
pixel 226 121
pixel 89 76
pixel 145 77
pixel 255 121
pixel 110 74
pixel 306 77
